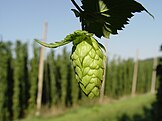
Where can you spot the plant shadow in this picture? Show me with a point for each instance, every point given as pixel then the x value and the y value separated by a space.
pixel 145 116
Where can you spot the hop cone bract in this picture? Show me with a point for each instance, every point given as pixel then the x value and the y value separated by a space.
pixel 88 61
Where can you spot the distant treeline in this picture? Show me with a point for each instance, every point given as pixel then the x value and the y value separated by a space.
pixel 19 77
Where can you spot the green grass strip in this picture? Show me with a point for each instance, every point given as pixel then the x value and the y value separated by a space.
pixel 125 109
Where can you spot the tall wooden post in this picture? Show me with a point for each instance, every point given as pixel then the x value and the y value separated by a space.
pixel 102 90
pixel 135 74
pixel 153 82
pixel 40 71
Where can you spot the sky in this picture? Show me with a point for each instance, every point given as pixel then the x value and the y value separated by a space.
pixel 23 20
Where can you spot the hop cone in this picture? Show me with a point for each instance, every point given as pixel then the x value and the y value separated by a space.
pixel 88 61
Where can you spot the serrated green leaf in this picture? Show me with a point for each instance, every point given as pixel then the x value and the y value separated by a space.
pixel 105 17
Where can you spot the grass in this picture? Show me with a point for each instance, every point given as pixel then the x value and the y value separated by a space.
pixel 123 110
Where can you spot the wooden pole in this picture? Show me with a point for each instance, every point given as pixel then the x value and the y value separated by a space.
pixel 40 71
pixel 135 74
pixel 102 90
pixel 153 82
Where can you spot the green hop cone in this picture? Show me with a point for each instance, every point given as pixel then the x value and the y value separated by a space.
pixel 88 61
pixel 87 58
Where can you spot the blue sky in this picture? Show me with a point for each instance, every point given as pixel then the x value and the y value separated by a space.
pixel 23 20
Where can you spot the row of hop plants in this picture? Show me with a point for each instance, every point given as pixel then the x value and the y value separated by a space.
pixel 120 75
pixel 19 77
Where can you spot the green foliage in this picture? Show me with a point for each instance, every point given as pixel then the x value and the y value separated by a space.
pixel 21 84
pixel 144 76
pixel 58 79
pixel 105 17
pixel 119 77
pixel 33 77
pixel 111 78
pixel 128 75
pixel 52 72
pixel 46 84
pixel 66 78
pixel 6 81
pixel 16 88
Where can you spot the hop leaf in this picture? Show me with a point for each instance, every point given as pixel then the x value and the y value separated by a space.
pixel 88 61
pixel 105 17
